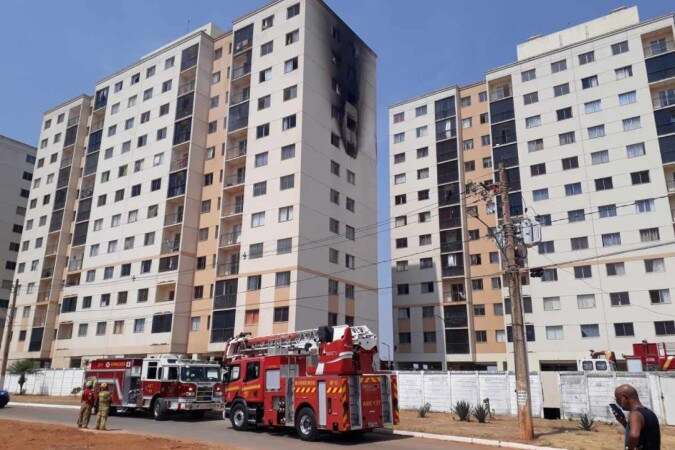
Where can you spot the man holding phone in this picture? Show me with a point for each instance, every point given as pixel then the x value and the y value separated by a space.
pixel 642 426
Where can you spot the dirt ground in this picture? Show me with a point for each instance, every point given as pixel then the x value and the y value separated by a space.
pixel 30 436
pixel 65 400
pixel 551 433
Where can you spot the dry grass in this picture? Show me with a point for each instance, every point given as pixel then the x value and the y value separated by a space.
pixel 31 436
pixel 552 433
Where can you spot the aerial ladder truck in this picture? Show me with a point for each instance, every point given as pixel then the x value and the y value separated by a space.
pixel 318 380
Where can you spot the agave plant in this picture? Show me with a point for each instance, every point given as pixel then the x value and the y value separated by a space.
pixel 481 413
pixel 585 422
pixel 424 410
pixel 462 410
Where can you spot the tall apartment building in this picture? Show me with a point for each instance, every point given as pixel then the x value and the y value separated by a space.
pixel 16 169
pixel 444 309
pixel 224 183
pixel 584 123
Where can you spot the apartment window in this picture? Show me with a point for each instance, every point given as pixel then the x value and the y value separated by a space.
pixel 292 37
pixel 590 330
pixel 466 123
pixel 540 194
pixel 425 239
pixel 586 58
pixel 538 169
pixel 399 117
pixel 420 111
pixel 287 152
pixel 533 121
pixel 589 82
pixel 623 72
pixel 576 215
pixel 334 196
pixel 617 269
pixel 292 11
pixel 572 189
pixel 554 332
pixel 100 328
pixel 559 66
pixel 484 118
pixel 649 235
pixel 291 65
pixel 566 138
pixel 624 329
pixel 546 247
pixel 528 99
pixel 564 113
pixel 581 272
pixel 600 157
pixel 585 301
pixel 288 122
pixel 627 98
pixel 593 106
pixel 632 123
pixel 644 206
pixel 255 250
pixel 282 279
pixel 426 263
pixel 641 177
pixel 399 137
pixel 655 265
pixel 164 109
pixel 401 242
pixel 528 75
pixel 619 47
pixel 664 327
pixel 579 243
pixel 467 144
pixel 607 211
pixel 287 182
pixel 595 132
pixel 635 150
pixel 257 219
pixel 285 213
pixel 570 163
pixel 535 145
pixel 421 131
pixel 284 246
pixel 603 184
pixel 400 199
pixel 290 92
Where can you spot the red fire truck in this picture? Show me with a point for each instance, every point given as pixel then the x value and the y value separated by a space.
pixel 161 384
pixel 316 380
pixel 651 356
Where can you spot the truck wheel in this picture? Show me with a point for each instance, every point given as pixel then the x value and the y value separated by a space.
pixel 159 409
pixel 239 417
pixel 305 425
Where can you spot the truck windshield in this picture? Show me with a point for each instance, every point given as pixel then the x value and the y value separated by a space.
pixel 200 373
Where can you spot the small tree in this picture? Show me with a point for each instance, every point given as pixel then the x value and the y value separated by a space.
pixel 22 367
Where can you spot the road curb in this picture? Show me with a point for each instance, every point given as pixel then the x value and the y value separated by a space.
pixel 470 440
pixel 43 405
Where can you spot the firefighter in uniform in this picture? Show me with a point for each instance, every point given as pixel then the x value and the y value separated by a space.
pixel 104 399
pixel 87 401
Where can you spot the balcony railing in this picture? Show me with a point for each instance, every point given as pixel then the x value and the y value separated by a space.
pixel 51 249
pixel 453 271
pixel 239 97
pixel 180 163
pixel 235 151
pixel 242 45
pixel 449 296
pixel 96 125
pixel 500 92
pixel 227 269
pixel 234 180
pixel 232 238
pixel 170 246
pixel 86 192
pixel 664 98
pixel 173 219
pixel 659 47
pixel 451 247
pixel 233 209
pixel 75 263
pixel 66 161
pixel 47 273
pixel 186 87
pixel 175 191
pixel 222 301
pixel 240 71
pixel 73 120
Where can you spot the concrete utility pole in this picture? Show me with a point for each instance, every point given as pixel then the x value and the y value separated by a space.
pixel 8 333
pixel 512 278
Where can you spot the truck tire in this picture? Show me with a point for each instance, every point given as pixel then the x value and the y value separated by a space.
pixel 305 424
pixel 239 417
pixel 197 415
pixel 159 411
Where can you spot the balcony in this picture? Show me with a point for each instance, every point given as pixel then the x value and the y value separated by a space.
pixel 232 209
pixel 234 180
pixel 223 301
pixel 96 124
pixel 659 47
pixel 66 161
pixel 73 121
pixel 453 271
pixel 230 239
pixel 664 98
pixel 447 247
pixel 75 263
pixel 47 272
pixel 86 192
pixel 227 269
pixel 171 245
pixel 173 219
pixel 453 297
pixel 51 249
pixel 179 163
pixel 242 45
pixel 186 87
pixel 235 151
pixel 168 263
pixel 241 71
pixel 240 97
pixel 175 191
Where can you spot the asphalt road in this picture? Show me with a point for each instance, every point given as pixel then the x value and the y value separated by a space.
pixel 214 429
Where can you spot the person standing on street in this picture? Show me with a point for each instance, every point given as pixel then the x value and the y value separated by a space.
pixel 87 401
pixel 104 399
pixel 642 426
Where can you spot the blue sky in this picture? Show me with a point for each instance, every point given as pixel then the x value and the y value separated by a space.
pixel 55 50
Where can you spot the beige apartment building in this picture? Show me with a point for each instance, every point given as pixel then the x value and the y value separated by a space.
pixel 16 170
pixel 223 183
pixel 583 123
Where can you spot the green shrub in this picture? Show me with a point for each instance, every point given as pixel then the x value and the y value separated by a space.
pixel 481 413
pixel 424 410
pixel 462 410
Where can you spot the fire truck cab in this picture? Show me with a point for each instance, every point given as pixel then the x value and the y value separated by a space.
pixel 316 380
pixel 160 384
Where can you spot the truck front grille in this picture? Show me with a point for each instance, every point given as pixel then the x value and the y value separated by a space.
pixel 204 393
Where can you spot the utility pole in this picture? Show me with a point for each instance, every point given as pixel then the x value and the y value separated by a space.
pixel 8 333
pixel 512 278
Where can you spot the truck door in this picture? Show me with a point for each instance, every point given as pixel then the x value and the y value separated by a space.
pixel 252 387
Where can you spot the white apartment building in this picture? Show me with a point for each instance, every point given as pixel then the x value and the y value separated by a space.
pixel 176 215
pixel 583 121
pixel 16 169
